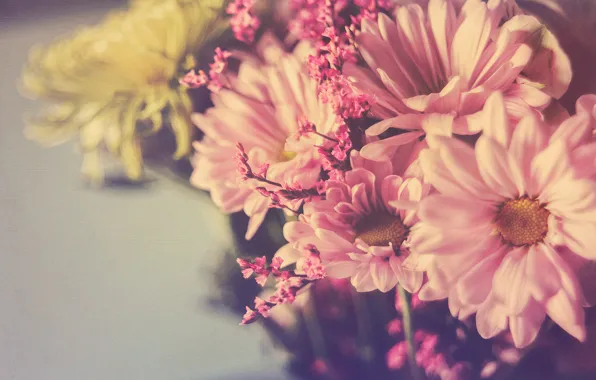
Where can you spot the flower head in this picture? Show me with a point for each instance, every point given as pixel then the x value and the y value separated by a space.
pixel 511 218
pixel 264 109
pixel 111 83
pixel 361 229
pixel 447 57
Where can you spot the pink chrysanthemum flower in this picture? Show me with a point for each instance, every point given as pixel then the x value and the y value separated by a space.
pixel 361 229
pixel 446 57
pixel 261 108
pixel 510 219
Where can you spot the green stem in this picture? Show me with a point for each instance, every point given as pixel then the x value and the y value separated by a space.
pixel 408 329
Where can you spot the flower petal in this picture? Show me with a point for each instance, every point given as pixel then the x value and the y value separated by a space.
pixel 543 277
pixel 452 212
pixel 496 124
pixel 491 319
pixel 383 276
pixel 494 167
pixel 525 328
pixel 510 283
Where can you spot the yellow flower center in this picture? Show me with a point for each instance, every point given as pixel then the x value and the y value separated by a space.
pixel 522 221
pixel 286 155
pixel 381 229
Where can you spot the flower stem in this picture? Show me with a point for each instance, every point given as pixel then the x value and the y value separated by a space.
pixel 408 329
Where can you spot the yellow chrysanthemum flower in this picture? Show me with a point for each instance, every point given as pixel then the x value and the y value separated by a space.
pixel 116 82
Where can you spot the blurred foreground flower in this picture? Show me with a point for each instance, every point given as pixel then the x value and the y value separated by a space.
pixel 106 79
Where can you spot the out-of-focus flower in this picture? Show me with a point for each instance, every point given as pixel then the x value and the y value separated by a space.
pixel 445 58
pixel 511 218
pixel 362 227
pixel 572 22
pixel 262 108
pixel 116 82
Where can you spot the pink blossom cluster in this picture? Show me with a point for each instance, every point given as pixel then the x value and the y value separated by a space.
pixel 333 36
pixel 281 195
pixel 428 357
pixel 288 284
pixel 244 22
pixel 436 156
pixel 194 79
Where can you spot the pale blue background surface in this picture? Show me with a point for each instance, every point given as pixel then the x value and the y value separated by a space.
pixel 105 285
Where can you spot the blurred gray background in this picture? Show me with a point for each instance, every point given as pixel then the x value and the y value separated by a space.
pixel 99 285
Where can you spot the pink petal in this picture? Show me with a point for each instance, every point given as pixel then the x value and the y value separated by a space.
pixel 407 76
pixel 229 198
pixel 254 223
pixel 543 277
pixel 530 95
pixel 421 103
pixel 408 121
pixel 496 123
pixel 510 282
pixel 410 190
pixel 442 19
pixel 436 124
pixel 569 280
pixel 360 176
pixel 448 242
pixel 493 164
pixel 437 286
pixel 476 284
pixel 550 65
pixel 410 280
pixel 340 269
pixel 386 148
pixel 548 166
pixel 491 319
pixel 386 105
pixel 528 139
pixel 331 221
pixel 459 309
pixel 459 159
pixel 448 99
pixel 572 199
pixel 583 159
pixel 363 281
pixel 361 199
pixel 436 174
pixel 525 328
pixel 389 190
pixel 574 131
pixel 506 74
pixel 332 242
pixel 451 212
pixel 470 40
pixel 288 254
pixel 586 104
pixel 568 314
pixel 417 44
pixel 382 275
pixel 294 230
pixel 580 237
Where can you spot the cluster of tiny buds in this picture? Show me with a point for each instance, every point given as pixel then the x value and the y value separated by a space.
pixel 213 81
pixel 244 22
pixel 311 263
pixel 282 194
pixel 335 160
pixel 288 284
pixel 428 357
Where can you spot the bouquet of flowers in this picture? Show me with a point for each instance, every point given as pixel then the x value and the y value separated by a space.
pixel 413 183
